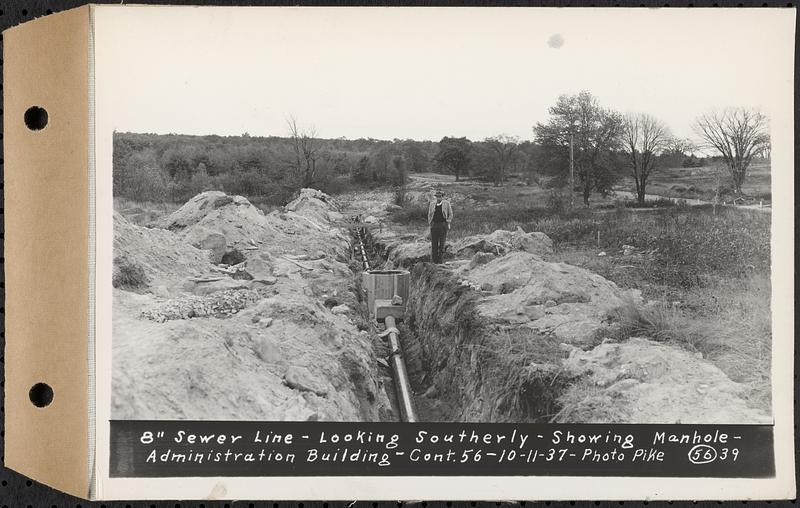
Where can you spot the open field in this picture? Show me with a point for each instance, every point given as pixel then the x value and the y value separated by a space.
pixel 702 182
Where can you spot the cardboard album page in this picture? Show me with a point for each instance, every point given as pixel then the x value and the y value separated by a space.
pixel 402 253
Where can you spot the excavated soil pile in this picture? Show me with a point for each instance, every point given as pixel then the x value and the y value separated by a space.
pixel 162 256
pixel 505 334
pixel 552 298
pixel 242 315
pixel 647 382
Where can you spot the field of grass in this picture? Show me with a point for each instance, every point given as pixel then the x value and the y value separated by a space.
pixel 702 182
pixel 706 272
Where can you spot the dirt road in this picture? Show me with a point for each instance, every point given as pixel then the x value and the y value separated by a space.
pixel 693 202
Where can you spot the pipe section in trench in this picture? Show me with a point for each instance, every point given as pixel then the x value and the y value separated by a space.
pixel 405 398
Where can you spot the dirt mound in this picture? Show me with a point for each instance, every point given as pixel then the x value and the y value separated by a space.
pixel 213 215
pixel 407 250
pixel 163 256
pixel 553 298
pixel 233 218
pixel 642 381
pixel 197 208
pixel 368 202
pixel 252 340
pixel 502 241
pixel 313 203
pixel 207 368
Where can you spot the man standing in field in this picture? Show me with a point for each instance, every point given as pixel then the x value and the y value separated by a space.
pixel 439 216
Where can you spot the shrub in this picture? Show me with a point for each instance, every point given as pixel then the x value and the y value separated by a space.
pixel 128 274
pixel 556 202
pixel 400 195
pixel 653 203
pixel 566 231
pixel 411 214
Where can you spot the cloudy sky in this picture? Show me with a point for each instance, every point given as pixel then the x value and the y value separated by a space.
pixel 429 72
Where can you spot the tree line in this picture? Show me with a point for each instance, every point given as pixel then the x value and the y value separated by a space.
pixel 600 144
pixel 601 139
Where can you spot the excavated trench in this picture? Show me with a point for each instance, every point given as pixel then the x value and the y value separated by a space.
pixel 360 261
pixel 461 366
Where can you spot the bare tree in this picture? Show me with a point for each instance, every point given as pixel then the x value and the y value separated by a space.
pixel 643 139
pixel 738 134
pixel 304 151
pixel 504 148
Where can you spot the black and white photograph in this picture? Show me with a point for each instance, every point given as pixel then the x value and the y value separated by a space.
pixel 494 216
pixel 370 253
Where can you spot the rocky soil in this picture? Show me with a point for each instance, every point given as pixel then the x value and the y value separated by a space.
pixel 241 315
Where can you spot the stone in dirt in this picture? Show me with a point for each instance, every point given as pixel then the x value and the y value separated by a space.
pixel 160 291
pixel 481 258
pixel 207 288
pixel 299 378
pixel 408 253
pixel 643 381
pixel 341 309
pixel 267 351
pixel 259 266
pixel 262 282
pixel 432 392
pixel 206 239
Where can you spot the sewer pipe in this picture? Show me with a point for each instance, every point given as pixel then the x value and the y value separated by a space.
pixel 405 400
pixel 402 385
pixel 364 258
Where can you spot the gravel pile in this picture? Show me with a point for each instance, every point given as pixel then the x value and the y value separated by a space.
pixel 221 304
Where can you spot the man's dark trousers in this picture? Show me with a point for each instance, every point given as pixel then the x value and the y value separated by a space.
pixel 438 238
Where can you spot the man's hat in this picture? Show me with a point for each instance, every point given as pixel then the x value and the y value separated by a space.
pixel 438 193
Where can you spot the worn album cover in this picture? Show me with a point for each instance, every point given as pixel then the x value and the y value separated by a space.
pixel 452 253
